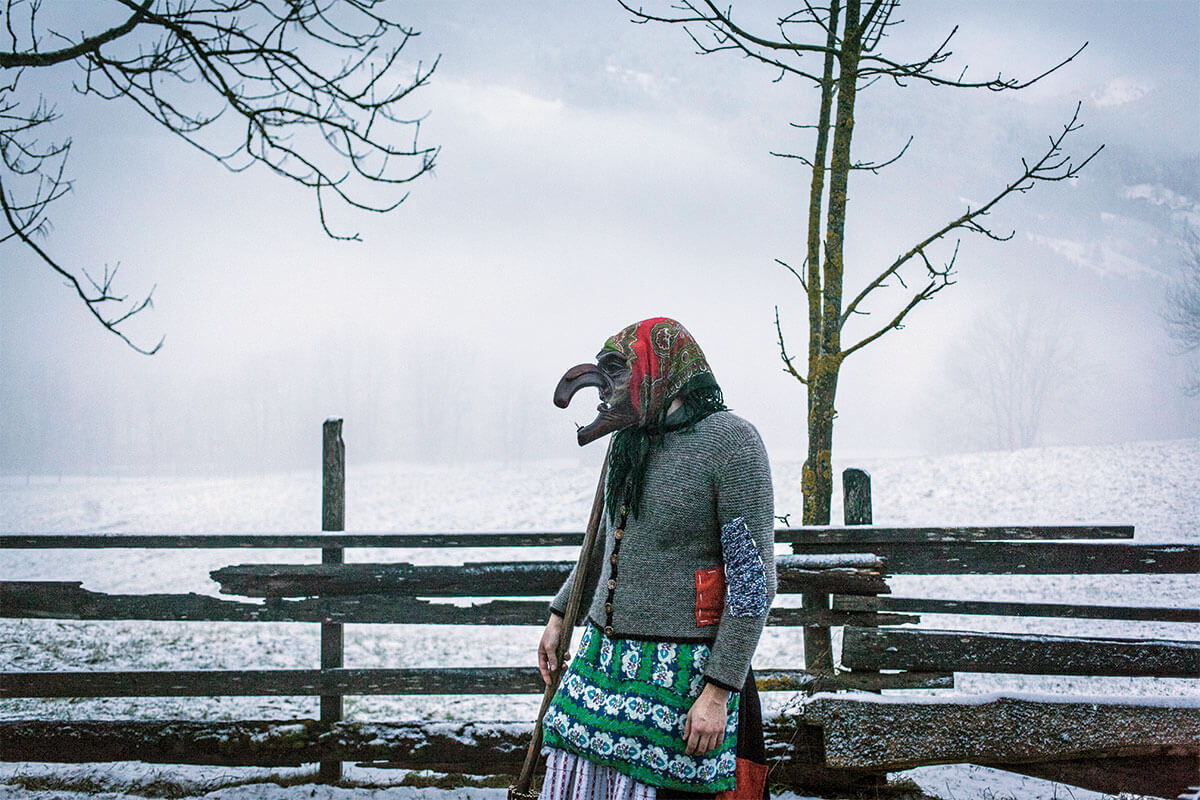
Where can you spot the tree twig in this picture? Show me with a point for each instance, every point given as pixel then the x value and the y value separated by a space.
pixel 788 367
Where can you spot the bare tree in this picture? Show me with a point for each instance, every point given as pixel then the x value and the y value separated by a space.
pixel 310 89
pixel 837 48
pixel 1182 312
pixel 1011 370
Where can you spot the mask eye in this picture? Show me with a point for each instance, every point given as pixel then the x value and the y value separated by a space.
pixel 613 364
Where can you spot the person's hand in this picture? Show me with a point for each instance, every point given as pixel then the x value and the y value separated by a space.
pixel 704 729
pixel 547 647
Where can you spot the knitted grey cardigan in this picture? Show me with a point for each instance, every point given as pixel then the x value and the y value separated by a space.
pixel 696 481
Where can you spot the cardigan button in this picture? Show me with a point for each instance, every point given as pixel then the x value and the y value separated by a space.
pixel 618 533
pixel 612 584
pixel 608 631
pixel 613 559
pixel 608 609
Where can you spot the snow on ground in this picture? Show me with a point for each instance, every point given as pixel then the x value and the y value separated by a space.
pixel 133 781
pixel 1152 485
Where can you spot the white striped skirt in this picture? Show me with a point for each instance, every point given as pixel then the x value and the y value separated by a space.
pixel 572 777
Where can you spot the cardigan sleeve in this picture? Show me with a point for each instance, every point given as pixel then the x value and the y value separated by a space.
pixel 746 510
pixel 591 576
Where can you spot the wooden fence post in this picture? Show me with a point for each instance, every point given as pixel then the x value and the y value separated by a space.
pixel 818 645
pixel 856 506
pixel 856 497
pixel 818 641
pixel 333 518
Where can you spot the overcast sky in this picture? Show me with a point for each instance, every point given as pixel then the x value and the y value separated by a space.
pixel 594 172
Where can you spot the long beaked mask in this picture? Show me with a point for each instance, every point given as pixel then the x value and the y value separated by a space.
pixel 637 372
pixel 610 375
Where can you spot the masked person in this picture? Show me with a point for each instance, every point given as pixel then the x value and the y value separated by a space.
pixel 660 702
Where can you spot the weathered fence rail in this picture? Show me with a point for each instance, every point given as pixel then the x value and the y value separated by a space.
pixel 810 537
pixel 838 572
pixel 68 600
pixel 1019 653
pixel 996 608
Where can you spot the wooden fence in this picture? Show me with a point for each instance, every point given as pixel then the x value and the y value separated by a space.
pixel 838 571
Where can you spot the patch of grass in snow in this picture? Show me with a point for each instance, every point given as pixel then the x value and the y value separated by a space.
pixel 454 780
pixel 989 794
pixel 95 783
pixel 896 789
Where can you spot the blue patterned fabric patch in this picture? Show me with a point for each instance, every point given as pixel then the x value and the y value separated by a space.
pixel 745 575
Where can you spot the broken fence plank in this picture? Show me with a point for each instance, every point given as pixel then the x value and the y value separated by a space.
pixel 276 541
pixel 837 560
pixel 921 605
pixel 229 683
pixel 67 600
pixel 311 580
pixel 513 578
pixel 1018 653
pixel 824 616
pixel 1031 558
pixel 844 681
pixel 448 747
pixel 869 534
pixel 296 682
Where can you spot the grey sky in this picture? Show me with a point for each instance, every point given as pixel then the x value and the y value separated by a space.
pixel 594 172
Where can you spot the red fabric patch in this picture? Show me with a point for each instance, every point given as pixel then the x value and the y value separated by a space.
pixel 710 595
pixel 750 778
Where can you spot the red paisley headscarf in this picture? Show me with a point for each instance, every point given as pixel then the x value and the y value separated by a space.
pixel 666 363
pixel 664 358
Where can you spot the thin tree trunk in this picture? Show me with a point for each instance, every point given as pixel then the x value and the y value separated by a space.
pixel 817 193
pixel 825 363
pixel 817 490
pixel 817 481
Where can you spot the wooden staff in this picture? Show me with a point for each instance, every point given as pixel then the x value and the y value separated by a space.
pixel 520 790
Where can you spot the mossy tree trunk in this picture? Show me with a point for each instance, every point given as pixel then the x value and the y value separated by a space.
pixel 825 359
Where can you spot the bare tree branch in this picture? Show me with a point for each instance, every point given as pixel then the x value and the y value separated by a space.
pixel 1051 167
pixel 874 166
pixel 102 289
pixel 788 367
pixel 309 89
pixel 939 278
pixel 728 35
pixel 802 159
pixel 33 58
pixel 921 70
pixel 798 276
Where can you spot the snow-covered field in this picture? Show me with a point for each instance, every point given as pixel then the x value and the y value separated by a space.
pixel 1153 485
